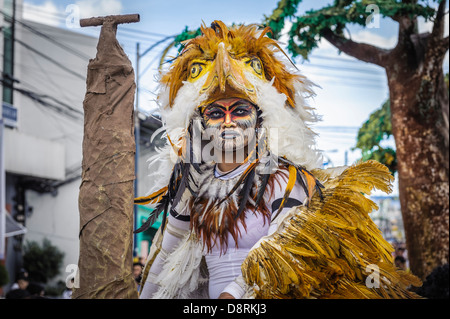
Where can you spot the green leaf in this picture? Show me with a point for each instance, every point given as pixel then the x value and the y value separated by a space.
pixel 376 129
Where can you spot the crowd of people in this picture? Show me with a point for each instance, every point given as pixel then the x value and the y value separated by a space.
pixel 25 288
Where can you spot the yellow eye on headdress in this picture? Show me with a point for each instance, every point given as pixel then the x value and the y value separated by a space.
pixel 256 65
pixel 195 71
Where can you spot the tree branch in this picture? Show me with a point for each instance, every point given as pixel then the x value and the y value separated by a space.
pixel 443 45
pixel 362 51
pixel 438 26
pixel 436 48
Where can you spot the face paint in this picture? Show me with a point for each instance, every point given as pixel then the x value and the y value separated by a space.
pixel 231 123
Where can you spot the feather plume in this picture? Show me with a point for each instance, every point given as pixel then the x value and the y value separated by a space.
pixel 244 176
pixel 326 250
pixel 166 196
pixel 181 186
pixel 289 187
pixel 245 192
pixel 152 198
pixel 309 183
pixel 160 208
pixel 261 189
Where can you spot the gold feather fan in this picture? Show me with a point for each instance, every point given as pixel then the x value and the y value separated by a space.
pixel 332 248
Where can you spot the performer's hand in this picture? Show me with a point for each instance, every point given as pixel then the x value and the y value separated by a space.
pixel 226 295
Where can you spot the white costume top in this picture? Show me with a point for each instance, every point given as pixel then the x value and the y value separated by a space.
pixel 225 268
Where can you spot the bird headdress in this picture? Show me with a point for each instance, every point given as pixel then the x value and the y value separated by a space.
pixel 243 62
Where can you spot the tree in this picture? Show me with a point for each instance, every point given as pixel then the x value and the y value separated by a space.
pixel 42 262
pixel 4 277
pixel 418 104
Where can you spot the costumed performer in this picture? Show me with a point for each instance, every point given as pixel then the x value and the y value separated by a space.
pixel 247 211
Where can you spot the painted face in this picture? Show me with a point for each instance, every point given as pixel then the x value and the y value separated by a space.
pixel 231 123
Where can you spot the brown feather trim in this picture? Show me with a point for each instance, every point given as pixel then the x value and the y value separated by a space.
pixel 213 219
pixel 213 226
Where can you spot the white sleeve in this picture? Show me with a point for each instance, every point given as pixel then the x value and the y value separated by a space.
pixel 177 226
pixel 236 288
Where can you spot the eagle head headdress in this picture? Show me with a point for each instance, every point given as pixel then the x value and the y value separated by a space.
pixel 241 62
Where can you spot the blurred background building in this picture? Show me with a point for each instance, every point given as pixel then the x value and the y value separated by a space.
pixel 43 85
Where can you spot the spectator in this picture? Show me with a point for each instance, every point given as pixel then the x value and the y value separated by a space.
pixel 36 290
pixel 400 262
pixel 22 281
pixel 67 294
pixel 137 273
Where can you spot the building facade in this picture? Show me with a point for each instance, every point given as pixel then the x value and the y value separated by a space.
pixel 43 86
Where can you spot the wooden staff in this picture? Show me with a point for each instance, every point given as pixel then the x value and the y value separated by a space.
pixel 116 19
pixel 106 191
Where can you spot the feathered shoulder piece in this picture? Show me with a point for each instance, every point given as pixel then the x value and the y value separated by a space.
pixel 332 248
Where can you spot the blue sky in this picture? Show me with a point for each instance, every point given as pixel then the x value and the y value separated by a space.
pixel 349 90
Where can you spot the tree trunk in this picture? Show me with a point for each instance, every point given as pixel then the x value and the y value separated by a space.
pixel 420 125
pixel 418 100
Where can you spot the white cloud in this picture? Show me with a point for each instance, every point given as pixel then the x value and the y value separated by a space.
pixel 49 13
pixel 427 26
pixel 371 37
pixel 96 8
pixel 46 13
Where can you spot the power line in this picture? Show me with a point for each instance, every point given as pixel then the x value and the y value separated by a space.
pixel 338 68
pixel 46 96
pixel 82 77
pixel 62 17
pixel 80 54
pixel 49 38
pixel 34 70
pixel 40 99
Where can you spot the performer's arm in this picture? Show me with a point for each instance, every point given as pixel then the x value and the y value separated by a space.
pixel 236 289
pixel 177 226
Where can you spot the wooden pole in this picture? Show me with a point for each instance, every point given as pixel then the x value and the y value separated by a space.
pixel 116 19
pixel 106 191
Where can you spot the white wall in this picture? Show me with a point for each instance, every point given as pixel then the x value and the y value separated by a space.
pixel 33 156
pixel 57 219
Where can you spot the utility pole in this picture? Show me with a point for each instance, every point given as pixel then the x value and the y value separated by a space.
pixel 137 133
pixel 137 137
